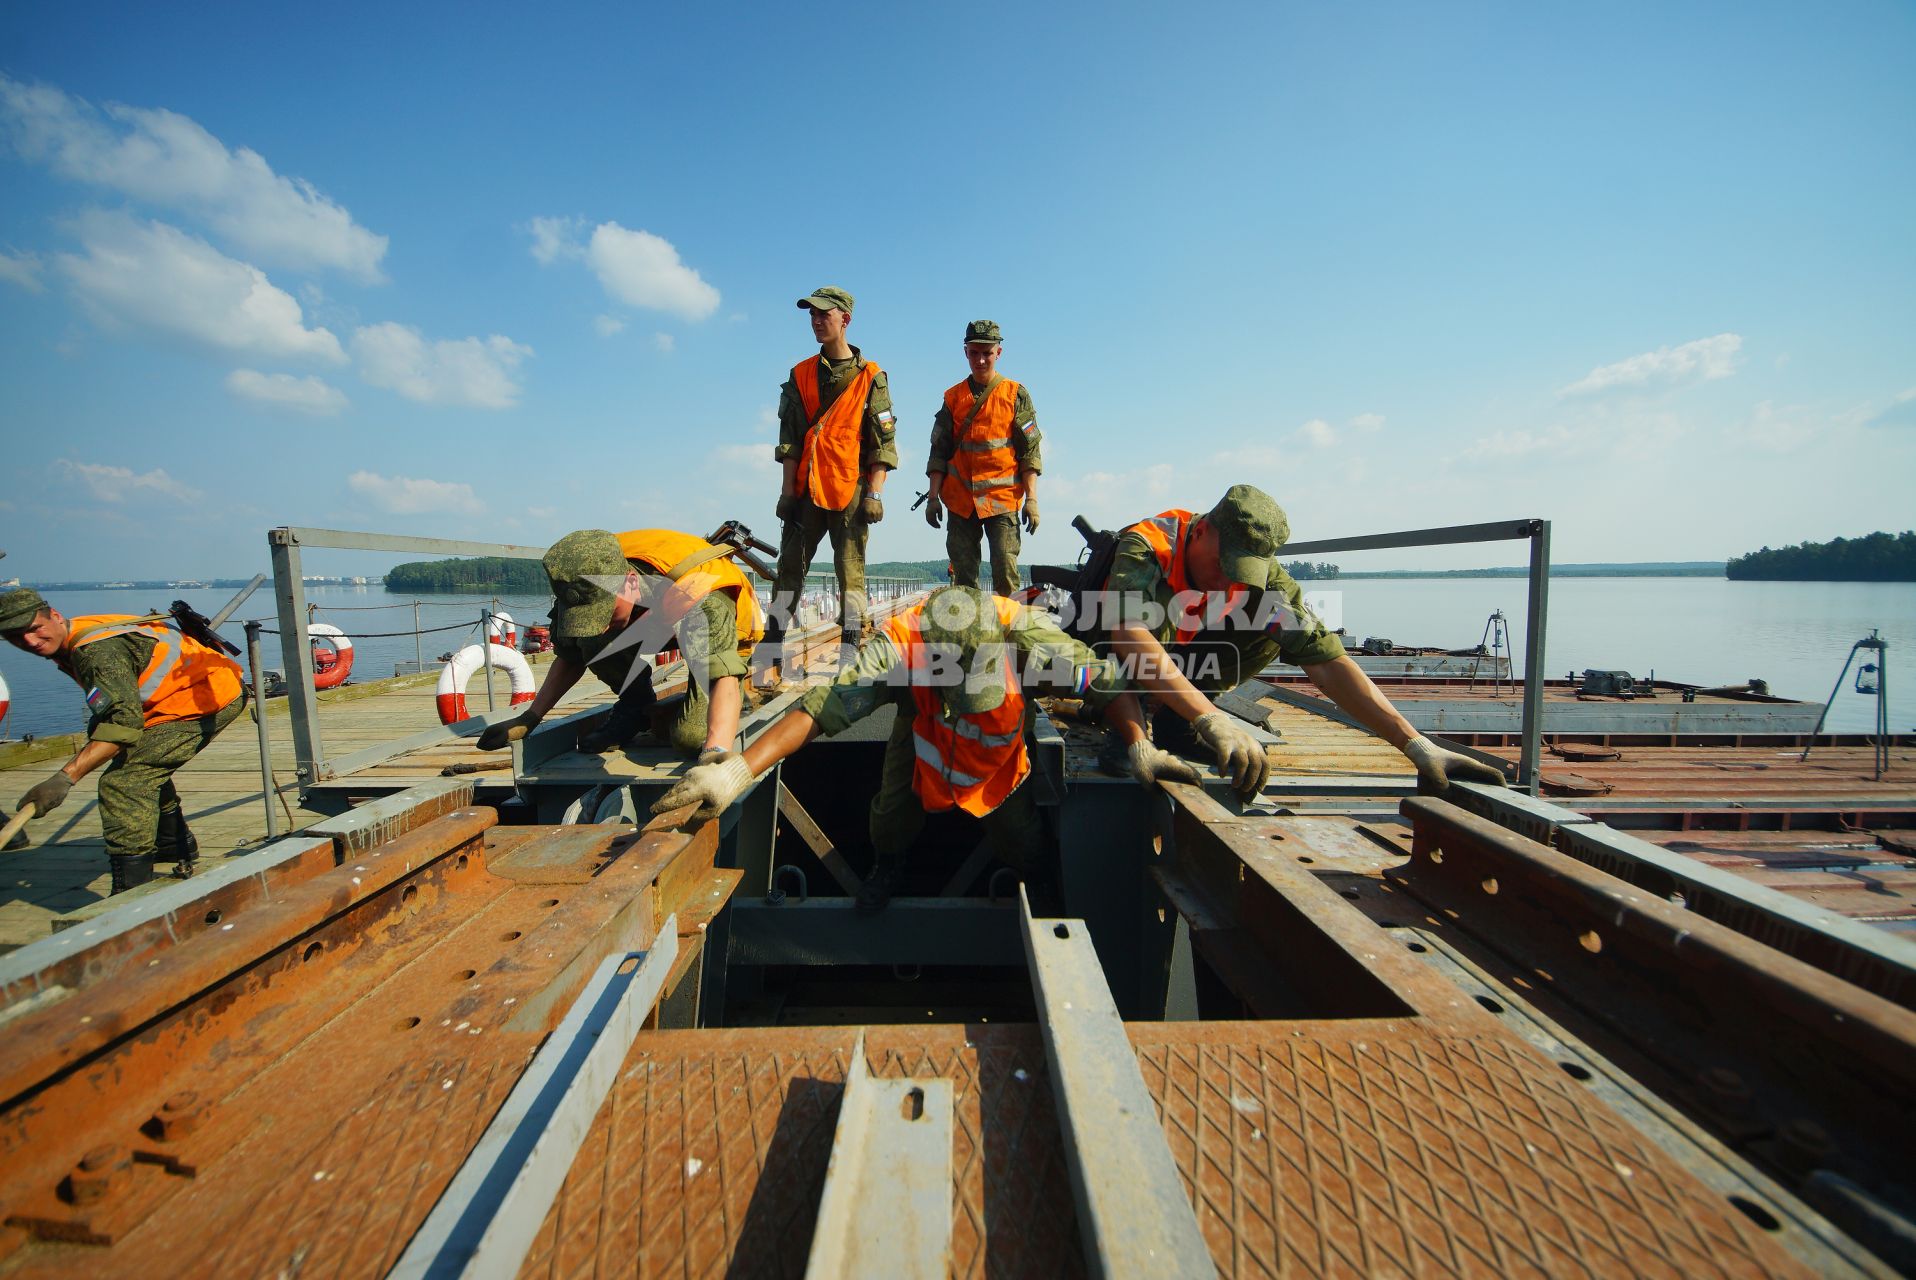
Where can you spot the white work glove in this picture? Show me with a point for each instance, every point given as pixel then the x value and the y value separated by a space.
pixel 1151 766
pixel 1438 768
pixel 714 786
pixel 1240 757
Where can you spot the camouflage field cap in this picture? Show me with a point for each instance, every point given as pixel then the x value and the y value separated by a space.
pixel 828 297
pixel 984 331
pixel 1250 528
pixel 581 567
pixel 965 619
pixel 19 607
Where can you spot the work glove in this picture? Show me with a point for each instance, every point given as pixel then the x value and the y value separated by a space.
pixel 1438 768
pixel 872 509
pixel 1031 515
pixel 787 507
pixel 934 510
pixel 1240 757
pixel 714 786
pixel 712 755
pixel 46 796
pixel 1150 765
pixel 507 732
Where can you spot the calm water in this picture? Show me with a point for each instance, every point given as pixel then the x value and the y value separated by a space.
pixel 1697 630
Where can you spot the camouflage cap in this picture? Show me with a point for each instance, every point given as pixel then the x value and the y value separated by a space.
pixel 19 607
pixel 581 568
pixel 964 620
pixel 1250 528
pixel 984 331
pixel 827 297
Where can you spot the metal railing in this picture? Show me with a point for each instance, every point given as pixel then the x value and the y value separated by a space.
pixel 1537 534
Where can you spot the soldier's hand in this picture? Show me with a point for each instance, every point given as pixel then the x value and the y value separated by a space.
pixel 1150 765
pixel 934 511
pixel 714 786
pixel 872 509
pixel 1438 768
pixel 787 508
pixel 47 796
pixel 1031 515
pixel 507 732
pixel 1240 757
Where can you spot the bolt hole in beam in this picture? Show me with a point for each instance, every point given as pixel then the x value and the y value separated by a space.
pixel 1352 894
pixel 513 935
pixel 1590 940
pixel 1756 1213
pixel 1575 1071
pixel 550 902
pixel 1307 859
pixel 462 863
pixel 312 950
pixel 1060 931
pixel 407 894
pixel 912 1107
pixel 213 916
pixel 1418 947
pixel 407 1024
pixel 464 974
pixel 1492 1005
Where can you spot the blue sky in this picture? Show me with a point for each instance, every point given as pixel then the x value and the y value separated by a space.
pixel 504 271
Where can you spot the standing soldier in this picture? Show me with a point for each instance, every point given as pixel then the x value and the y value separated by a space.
pixel 835 443
pixel 157 697
pixel 984 464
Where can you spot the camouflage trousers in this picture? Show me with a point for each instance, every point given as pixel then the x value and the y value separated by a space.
pixel 798 543
pixel 139 781
pixel 1014 829
pixel 962 534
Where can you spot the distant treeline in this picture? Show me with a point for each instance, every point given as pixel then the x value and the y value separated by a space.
pixel 1880 557
pixel 478 573
pixel 1644 569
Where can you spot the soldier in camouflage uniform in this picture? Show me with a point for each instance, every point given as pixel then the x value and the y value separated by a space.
pixel 1001 433
pixel 139 726
pixel 839 367
pixel 610 611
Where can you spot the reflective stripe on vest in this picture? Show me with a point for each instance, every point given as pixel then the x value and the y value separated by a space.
pixel 183 680
pixel 971 762
pixel 828 463
pixel 983 477
pixel 661 549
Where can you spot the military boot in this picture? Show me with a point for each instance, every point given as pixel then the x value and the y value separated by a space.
pixel 176 841
pixel 875 894
pixel 130 871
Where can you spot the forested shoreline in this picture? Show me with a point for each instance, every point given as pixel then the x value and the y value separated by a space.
pixel 1880 557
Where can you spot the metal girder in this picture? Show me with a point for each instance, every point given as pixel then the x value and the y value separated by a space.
pixel 487 1219
pixel 1134 1216
pixel 1493 531
pixel 341 539
pixel 885 1211
pixel 824 931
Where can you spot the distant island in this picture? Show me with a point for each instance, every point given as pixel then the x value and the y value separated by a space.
pixel 468 574
pixel 1880 557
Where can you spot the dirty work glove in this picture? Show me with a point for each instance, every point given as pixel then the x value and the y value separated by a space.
pixel 507 732
pixel 1240 756
pixel 934 508
pixel 46 796
pixel 712 755
pixel 1150 765
pixel 1031 515
pixel 1438 768
pixel 872 509
pixel 787 507
pixel 714 786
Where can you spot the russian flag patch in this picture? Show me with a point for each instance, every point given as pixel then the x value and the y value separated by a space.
pixel 96 699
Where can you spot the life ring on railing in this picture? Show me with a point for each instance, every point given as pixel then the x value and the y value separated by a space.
pixel 500 629
pixel 6 698
pixel 454 675
pixel 331 665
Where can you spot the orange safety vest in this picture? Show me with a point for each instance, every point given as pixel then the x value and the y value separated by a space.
pixel 983 477
pixel 1165 534
pixel 183 680
pixel 701 569
pixel 828 466
pixel 972 762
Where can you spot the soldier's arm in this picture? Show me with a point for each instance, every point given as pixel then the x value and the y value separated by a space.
pixel 1027 442
pixel 879 449
pixel 943 442
pixel 1302 639
pixel 1054 662
pixel 858 691
pixel 719 662
pixel 109 671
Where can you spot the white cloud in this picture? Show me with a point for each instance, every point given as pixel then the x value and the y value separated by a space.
pixel 169 160
pixel 1317 433
pixel 1518 443
pixel 154 276
pixel 22 269
pixel 116 484
pixel 555 238
pixel 284 391
pixel 634 267
pixel 474 372
pixel 406 496
pixel 665 342
pixel 1704 360
pixel 1367 422
pixel 608 325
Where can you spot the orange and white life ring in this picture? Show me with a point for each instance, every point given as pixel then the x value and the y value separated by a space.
pixel 6 698
pixel 500 629
pixel 455 674
pixel 331 663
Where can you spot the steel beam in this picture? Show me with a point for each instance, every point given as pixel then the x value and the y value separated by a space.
pixel 1494 531
pixel 341 539
pixel 296 652
pixel 1134 1216
pixel 488 1217
pixel 1529 774
pixel 885 1210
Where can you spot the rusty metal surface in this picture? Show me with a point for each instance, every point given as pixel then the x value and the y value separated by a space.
pixel 344 1044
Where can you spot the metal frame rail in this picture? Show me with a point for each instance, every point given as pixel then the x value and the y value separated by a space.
pixel 1534 531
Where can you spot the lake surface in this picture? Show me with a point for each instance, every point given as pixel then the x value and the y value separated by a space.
pixel 1697 630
